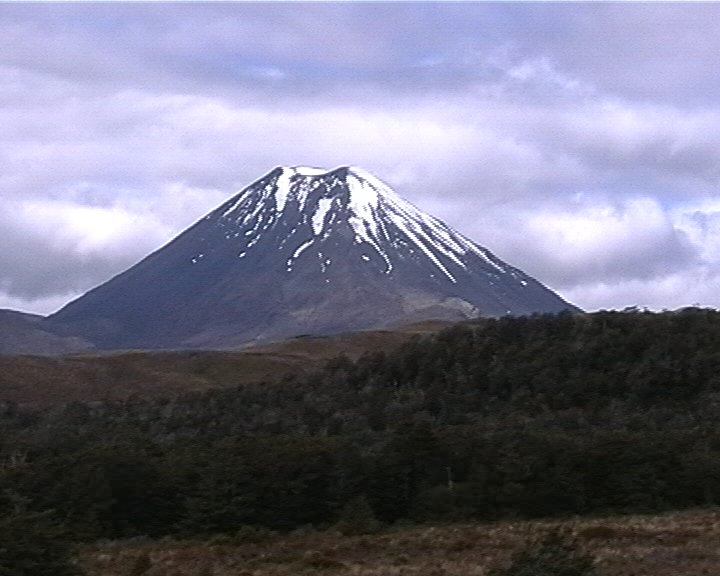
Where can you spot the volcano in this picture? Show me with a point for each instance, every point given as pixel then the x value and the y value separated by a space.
pixel 302 251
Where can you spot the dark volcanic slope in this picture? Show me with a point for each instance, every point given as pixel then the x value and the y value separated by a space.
pixel 302 251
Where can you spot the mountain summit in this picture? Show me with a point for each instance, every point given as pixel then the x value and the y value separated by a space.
pixel 302 251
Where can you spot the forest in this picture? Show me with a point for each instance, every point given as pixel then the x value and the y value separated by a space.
pixel 532 417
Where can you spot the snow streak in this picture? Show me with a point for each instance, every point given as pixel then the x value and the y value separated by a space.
pixel 306 205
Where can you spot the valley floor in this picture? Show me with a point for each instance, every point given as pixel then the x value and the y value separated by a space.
pixel 673 544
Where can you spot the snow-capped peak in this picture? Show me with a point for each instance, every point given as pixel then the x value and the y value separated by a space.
pixel 305 170
pixel 302 250
pixel 299 207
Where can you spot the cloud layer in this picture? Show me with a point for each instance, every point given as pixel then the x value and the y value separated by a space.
pixel 580 142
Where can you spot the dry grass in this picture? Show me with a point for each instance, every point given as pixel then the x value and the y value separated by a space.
pixel 677 544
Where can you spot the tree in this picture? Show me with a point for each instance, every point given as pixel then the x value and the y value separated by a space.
pixel 31 543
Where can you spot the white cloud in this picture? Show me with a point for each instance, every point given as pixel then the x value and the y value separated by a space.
pixel 57 249
pixel 143 166
pixel 42 305
pixel 112 144
pixel 600 252
pixel 689 288
pixel 593 240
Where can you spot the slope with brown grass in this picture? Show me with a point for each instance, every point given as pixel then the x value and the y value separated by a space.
pixel 45 381
pixel 676 544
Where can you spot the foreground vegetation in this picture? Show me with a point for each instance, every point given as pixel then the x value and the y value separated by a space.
pixel 676 544
pixel 550 416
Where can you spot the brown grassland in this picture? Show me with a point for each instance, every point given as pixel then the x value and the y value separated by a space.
pixel 43 381
pixel 672 544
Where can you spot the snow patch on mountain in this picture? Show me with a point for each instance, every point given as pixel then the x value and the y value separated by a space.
pixel 318 219
pixel 317 201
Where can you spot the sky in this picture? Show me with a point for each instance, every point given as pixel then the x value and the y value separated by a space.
pixel 579 142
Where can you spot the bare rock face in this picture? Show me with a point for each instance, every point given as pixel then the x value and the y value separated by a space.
pixel 302 251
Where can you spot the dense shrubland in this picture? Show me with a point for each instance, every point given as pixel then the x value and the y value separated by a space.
pixel 505 418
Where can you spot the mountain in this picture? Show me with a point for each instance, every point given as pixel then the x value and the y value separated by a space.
pixel 302 251
pixel 22 333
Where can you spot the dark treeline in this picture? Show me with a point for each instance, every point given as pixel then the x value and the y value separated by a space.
pixel 512 417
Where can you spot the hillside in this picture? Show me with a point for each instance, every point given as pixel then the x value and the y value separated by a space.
pixel 27 333
pixel 91 377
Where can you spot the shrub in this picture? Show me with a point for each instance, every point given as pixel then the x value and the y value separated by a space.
pixel 555 553
pixel 32 544
pixel 357 517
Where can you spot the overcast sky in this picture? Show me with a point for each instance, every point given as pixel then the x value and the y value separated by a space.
pixel 579 142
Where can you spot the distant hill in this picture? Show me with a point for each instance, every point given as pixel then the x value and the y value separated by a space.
pixel 22 333
pixel 46 381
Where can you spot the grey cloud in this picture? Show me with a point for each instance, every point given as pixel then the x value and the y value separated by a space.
pixel 635 259
pixel 669 142
pixel 65 247
pixel 590 241
pixel 321 47
pixel 651 52
pixel 492 116
pixel 31 269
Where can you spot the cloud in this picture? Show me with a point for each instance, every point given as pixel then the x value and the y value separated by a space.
pixel 54 247
pixel 54 250
pixel 668 143
pixel 594 240
pixel 599 252
pixel 579 142
pixel 690 288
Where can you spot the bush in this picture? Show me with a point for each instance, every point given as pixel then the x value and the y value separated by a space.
pixel 357 517
pixel 31 544
pixel 553 554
